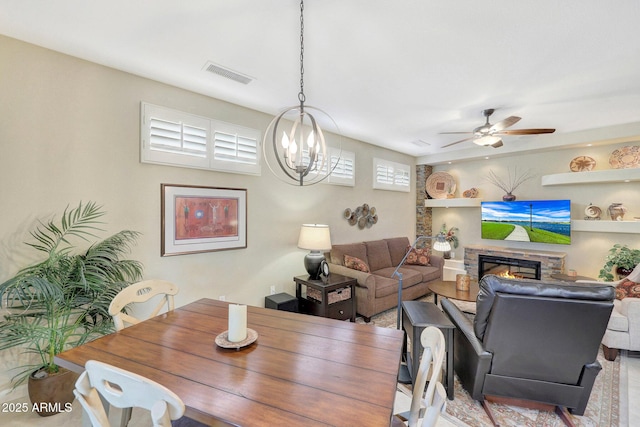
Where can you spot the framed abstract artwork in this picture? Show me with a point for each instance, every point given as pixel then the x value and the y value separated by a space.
pixel 197 219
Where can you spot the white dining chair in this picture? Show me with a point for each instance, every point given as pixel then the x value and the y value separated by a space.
pixel 427 406
pixel 124 389
pixel 141 292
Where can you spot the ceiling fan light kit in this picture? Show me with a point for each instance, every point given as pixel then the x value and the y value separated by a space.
pixel 489 134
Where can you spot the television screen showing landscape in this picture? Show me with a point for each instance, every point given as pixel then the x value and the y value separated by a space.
pixel 539 221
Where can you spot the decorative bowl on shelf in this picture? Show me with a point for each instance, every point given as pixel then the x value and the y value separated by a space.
pixel 625 157
pixel 471 193
pixel 582 164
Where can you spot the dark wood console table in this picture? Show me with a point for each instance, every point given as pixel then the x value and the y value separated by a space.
pixel 416 316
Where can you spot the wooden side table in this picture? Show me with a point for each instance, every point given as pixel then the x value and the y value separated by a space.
pixel 334 297
pixel 416 316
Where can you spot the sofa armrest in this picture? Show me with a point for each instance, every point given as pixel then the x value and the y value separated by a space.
pixel 436 261
pixel 365 280
pixel 471 361
pixel 596 282
pixel 630 307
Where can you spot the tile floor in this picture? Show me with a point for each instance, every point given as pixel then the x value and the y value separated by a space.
pixel 630 413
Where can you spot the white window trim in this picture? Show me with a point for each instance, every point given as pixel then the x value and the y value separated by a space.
pixel 400 176
pixel 211 127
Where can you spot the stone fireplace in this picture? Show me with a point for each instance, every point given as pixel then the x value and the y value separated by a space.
pixel 548 263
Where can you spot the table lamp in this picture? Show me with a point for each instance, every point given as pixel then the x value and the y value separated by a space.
pixel 316 238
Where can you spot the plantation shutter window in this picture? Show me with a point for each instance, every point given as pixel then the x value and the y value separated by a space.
pixel 343 167
pixel 391 175
pixel 235 148
pixel 175 138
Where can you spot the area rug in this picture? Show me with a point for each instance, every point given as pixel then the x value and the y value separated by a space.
pixel 603 409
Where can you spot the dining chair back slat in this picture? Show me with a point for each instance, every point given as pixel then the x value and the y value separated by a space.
pixel 124 389
pixel 141 292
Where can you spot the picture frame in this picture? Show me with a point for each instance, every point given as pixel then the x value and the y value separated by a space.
pixel 196 219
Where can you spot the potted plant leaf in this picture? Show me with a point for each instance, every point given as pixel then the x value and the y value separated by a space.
pixel 623 259
pixel 63 301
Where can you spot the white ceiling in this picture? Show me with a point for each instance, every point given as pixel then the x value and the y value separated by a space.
pixel 389 72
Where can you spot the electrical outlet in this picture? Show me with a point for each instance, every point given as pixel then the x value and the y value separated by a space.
pixel 222 298
pixel 273 290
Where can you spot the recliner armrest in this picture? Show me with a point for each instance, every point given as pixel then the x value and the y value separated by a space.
pixel 464 325
pixel 471 361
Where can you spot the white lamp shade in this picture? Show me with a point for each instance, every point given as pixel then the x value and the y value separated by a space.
pixel 441 246
pixel 314 237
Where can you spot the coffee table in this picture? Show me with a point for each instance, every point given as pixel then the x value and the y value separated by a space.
pixel 447 289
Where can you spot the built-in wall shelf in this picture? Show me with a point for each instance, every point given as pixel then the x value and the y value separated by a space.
pixel 452 203
pixel 605 226
pixel 590 177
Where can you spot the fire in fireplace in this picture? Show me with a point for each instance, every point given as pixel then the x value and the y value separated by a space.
pixel 508 267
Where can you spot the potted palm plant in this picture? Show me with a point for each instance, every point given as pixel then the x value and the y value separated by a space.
pixel 63 301
pixel 623 259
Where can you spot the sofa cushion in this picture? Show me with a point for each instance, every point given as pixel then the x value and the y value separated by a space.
pixel 617 321
pixel 397 249
pixel 358 250
pixel 418 256
pixel 356 264
pixel 627 288
pixel 385 286
pixel 378 254
pixel 409 278
pixel 428 272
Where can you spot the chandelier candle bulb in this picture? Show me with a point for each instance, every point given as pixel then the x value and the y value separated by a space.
pixel 237 322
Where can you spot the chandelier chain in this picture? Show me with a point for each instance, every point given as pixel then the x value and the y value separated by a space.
pixel 301 96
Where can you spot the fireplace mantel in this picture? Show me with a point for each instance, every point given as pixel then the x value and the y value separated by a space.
pixel 551 262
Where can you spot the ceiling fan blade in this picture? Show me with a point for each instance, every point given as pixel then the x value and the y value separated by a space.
pixel 454 133
pixel 497 144
pixel 525 131
pixel 503 124
pixel 457 142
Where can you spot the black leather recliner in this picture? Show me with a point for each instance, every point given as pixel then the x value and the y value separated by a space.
pixel 532 340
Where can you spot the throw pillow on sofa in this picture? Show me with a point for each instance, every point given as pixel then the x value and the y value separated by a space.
pixel 627 288
pixel 355 263
pixel 418 256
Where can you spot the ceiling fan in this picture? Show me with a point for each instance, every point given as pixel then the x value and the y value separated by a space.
pixel 489 134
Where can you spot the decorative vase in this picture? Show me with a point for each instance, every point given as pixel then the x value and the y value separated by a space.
pixel 617 211
pixel 622 272
pixel 446 254
pixel 508 197
pixel 52 393
pixel 463 281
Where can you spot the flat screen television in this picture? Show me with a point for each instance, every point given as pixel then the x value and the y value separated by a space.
pixel 538 221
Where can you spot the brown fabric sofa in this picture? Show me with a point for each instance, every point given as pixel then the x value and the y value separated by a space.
pixel 376 291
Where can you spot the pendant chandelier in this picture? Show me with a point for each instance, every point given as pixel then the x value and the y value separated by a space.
pixel 301 152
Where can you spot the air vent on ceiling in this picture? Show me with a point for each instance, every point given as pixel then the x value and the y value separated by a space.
pixel 421 143
pixel 225 72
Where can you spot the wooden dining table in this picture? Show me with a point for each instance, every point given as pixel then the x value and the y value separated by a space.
pixel 301 371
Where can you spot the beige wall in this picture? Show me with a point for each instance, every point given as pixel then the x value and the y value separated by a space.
pixel 69 132
pixel 587 250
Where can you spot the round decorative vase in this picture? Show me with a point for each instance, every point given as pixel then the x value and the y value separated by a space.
pixel 52 393
pixel 622 272
pixel 508 197
pixel 617 211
